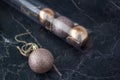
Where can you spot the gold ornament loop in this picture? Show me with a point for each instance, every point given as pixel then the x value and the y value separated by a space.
pixel 26 48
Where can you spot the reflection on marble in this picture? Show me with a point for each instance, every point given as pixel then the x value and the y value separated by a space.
pixel 100 62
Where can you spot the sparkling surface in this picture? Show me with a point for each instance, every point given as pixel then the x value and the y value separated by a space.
pixel 61 26
pixel 41 60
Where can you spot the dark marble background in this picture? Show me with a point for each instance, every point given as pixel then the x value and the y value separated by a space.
pixel 100 62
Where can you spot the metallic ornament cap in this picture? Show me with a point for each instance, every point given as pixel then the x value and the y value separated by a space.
pixel 79 34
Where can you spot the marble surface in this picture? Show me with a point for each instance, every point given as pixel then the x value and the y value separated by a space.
pixel 101 61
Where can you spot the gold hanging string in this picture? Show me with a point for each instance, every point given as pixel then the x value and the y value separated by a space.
pixel 19 35
pixel 26 48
